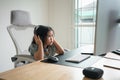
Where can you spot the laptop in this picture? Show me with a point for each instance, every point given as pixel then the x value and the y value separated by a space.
pixel 77 58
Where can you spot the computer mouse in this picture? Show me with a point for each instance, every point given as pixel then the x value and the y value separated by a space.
pixel 53 59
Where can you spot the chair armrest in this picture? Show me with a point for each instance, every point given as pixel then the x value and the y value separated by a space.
pixel 20 58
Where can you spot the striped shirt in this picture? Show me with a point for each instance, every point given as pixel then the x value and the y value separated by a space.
pixel 50 50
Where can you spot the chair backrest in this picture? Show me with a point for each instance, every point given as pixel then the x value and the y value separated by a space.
pixel 21 31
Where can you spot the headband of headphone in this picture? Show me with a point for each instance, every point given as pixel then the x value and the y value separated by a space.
pixel 35 29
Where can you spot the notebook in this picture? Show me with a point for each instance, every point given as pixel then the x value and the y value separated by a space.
pixel 77 58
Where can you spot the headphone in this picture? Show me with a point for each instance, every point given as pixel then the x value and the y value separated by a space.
pixel 36 32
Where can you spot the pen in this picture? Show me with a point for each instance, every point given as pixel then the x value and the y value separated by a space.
pixel 111 67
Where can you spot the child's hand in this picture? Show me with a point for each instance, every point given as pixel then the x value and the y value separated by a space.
pixel 37 40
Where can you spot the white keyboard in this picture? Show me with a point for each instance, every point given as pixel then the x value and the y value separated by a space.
pixel 78 58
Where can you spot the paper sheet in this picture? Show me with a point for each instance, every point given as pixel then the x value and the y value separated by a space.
pixel 112 56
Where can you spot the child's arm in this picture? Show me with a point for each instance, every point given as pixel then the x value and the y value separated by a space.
pixel 59 49
pixel 39 54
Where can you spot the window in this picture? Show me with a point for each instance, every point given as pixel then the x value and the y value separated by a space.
pixel 85 20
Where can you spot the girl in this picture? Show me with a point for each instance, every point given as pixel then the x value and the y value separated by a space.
pixel 44 44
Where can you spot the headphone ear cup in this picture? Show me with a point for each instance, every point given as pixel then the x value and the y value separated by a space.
pixel 35 30
pixel 41 37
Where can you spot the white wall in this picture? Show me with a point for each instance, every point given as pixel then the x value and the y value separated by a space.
pixel 60 17
pixel 39 15
pixel 108 31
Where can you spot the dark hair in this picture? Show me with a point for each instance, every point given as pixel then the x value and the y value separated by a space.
pixel 42 31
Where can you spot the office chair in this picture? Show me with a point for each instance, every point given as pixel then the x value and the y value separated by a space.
pixel 21 32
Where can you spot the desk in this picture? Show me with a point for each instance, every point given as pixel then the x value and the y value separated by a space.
pixel 46 71
pixel 43 71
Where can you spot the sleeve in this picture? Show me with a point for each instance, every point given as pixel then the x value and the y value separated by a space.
pixel 32 49
pixel 52 50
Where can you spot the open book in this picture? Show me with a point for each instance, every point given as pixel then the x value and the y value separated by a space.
pixel 77 58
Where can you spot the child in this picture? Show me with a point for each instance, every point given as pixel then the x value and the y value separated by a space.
pixel 44 43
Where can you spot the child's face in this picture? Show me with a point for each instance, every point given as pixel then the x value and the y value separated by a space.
pixel 49 38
